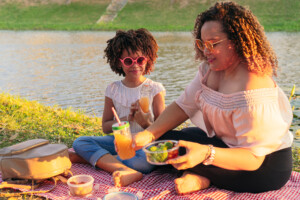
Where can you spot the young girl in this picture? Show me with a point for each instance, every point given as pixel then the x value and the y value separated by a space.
pixel 131 54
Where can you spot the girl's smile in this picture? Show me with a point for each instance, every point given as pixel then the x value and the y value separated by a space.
pixel 134 69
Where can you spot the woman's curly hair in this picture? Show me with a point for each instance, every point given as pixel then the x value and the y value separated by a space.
pixel 134 40
pixel 245 32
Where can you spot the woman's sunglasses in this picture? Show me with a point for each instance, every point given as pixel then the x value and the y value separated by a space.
pixel 208 44
pixel 128 61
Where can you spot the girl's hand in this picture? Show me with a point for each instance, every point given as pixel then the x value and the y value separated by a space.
pixel 142 138
pixel 143 119
pixel 123 119
pixel 195 154
pixel 116 147
pixel 137 114
pixel 133 109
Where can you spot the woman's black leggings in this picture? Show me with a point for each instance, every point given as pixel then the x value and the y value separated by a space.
pixel 274 172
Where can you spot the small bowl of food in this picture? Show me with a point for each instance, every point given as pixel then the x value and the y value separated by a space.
pixel 158 152
pixel 80 185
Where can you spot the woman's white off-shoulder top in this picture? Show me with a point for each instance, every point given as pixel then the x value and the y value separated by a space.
pixel 257 120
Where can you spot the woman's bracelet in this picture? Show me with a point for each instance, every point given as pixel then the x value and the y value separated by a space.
pixel 211 155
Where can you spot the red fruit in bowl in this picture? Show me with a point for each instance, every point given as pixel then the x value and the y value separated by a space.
pixel 173 154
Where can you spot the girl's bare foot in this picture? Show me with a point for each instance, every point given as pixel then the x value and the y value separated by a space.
pixel 125 177
pixel 190 182
pixel 75 158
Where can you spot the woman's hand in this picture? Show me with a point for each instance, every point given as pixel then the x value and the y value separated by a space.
pixel 195 154
pixel 142 138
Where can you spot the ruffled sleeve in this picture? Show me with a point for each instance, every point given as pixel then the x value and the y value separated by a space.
pixel 157 88
pixel 110 90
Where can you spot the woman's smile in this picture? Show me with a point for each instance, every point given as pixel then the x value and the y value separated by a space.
pixel 210 60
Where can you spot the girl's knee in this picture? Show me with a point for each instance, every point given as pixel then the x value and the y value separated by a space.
pixel 80 141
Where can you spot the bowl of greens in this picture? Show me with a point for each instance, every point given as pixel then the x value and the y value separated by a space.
pixel 158 152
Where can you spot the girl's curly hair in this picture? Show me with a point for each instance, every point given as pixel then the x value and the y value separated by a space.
pixel 246 33
pixel 134 40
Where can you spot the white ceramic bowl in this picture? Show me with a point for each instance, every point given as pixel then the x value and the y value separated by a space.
pixel 80 185
pixel 157 155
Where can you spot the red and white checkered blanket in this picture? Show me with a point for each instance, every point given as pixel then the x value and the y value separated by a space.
pixel 160 185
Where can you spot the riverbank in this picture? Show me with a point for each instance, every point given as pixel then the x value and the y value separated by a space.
pixel 22 120
pixel 155 15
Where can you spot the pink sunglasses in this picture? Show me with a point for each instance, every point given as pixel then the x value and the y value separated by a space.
pixel 128 61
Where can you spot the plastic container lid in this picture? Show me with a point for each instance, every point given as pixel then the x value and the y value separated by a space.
pixel 120 196
pixel 117 127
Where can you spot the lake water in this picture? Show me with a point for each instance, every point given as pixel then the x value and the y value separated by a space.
pixel 68 69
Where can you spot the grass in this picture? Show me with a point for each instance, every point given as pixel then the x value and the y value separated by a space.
pixel 155 15
pixel 77 16
pixel 21 120
pixel 296 159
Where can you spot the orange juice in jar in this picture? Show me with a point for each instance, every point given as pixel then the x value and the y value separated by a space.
pixel 123 140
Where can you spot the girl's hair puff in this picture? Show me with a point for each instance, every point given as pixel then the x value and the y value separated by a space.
pixel 246 33
pixel 134 40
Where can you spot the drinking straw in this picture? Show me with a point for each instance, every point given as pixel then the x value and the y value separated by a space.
pixel 116 116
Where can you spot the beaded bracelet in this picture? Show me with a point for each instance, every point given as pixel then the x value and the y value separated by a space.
pixel 211 156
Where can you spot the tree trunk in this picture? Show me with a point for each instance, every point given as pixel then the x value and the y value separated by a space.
pixel 112 11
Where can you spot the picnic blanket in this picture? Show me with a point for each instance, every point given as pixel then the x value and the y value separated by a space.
pixel 159 184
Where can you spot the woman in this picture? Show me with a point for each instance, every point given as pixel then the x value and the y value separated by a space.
pixel 242 140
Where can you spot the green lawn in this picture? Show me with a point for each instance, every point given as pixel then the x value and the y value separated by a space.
pixel 155 15
pixel 22 120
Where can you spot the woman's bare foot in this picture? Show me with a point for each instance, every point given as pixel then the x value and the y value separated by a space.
pixel 75 158
pixel 125 177
pixel 190 182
